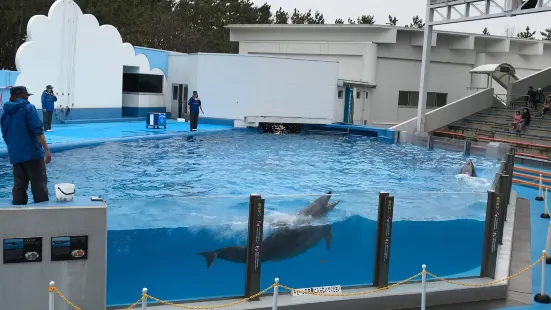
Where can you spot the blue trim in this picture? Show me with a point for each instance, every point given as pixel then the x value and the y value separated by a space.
pixel 141 112
pixel 107 120
pixel 382 134
pixel 216 121
pixel 157 59
pixel 91 114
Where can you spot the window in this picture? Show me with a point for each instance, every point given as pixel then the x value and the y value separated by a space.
pixel 340 94
pixel 142 83
pixel 411 99
pixel 358 95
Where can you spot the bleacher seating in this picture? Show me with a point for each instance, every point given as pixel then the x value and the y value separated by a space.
pixel 494 124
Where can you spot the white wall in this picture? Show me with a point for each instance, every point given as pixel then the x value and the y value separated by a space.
pixel 145 100
pixel 394 75
pixel 237 86
pixel 72 52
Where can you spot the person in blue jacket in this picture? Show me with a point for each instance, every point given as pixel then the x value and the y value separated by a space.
pixel 28 151
pixel 48 107
pixel 194 107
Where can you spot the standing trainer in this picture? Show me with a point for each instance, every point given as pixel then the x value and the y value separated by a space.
pixel 48 107
pixel 194 107
pixel 28 151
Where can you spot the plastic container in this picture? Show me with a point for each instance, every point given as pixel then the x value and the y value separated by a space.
pixel 64 191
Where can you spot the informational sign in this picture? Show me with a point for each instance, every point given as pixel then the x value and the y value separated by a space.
pixel 335 289
pixel 254 245
pixel 69 248
pixel 22 250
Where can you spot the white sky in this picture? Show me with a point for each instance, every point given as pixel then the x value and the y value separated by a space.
pixel 404 10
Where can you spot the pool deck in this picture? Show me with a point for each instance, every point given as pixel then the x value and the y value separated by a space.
pixel 88 134
pixel 538 236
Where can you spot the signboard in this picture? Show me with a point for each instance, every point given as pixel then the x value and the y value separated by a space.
pixel 335 289
pixel 254 245
pixel 22 250
pixel 69 248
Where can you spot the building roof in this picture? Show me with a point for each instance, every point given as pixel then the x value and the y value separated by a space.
pixel 380 34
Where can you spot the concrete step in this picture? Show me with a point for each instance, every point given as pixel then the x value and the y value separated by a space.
pixel 490 126
pixel 541 122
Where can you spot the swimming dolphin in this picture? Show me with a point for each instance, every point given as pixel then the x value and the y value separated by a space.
pixel 469 169
pixel 284 242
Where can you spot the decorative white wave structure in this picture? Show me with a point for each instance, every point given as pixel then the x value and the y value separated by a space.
pixel 81 59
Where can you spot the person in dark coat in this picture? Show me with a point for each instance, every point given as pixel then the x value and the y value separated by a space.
pixel 48 107
pixel 194 107
pixel 28 150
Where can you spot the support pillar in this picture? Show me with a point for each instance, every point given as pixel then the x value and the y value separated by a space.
pixel 425 68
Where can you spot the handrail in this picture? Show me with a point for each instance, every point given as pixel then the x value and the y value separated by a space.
pixel 513 142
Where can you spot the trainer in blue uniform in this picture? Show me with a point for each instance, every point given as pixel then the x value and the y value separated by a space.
pixel 194 107
pixel 48 107
pixel 27 148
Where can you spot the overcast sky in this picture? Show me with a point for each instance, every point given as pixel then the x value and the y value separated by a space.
pixel 404 10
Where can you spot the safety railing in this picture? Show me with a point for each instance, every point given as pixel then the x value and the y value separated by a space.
pixel 424 274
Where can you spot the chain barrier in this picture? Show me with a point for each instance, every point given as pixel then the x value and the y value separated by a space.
pixel 145 296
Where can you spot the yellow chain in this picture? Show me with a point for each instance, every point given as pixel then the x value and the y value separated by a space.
pixel 211 307
pixel 53 289
pixel 356 293
pixel 491 282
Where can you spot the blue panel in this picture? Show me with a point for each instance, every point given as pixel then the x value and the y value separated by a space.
pixel 382 134
pixel 141 112
pixel 348 104
pixel 157 58
pixel 7 78
pixel 216 121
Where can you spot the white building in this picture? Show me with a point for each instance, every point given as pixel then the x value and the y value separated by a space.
pixel 381 65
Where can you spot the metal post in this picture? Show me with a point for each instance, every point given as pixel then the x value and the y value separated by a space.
pixel 51 296
pixel 276 292
pixel 430 142
pixel 545 214
pixel 424 287
pixel 467 147
pixel 254 246
pixel 384 233
pixel 144 298
pixel 502 212
pixel 540 191
pixel 489 250
pixel 425 69
pixel 541 297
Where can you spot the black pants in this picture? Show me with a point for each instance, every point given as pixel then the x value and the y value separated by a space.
pixel 193 120
pixel 47 118
pixel 33 171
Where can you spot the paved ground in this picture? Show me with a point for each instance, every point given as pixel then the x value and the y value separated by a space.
pixel 74 135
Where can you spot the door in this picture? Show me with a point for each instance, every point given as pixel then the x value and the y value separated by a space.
pixel 174 106
pixel 183 101
pixel 349 105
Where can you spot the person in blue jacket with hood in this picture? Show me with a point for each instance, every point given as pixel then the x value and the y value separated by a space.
pixel 48 107
pixel 28 151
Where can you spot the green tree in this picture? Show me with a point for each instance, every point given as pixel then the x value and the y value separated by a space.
pixel 392 20
pixel 527 34
pixel 546 35
pixel 416 23
pixel 485 31
pixel 307 18
pixel 281 16
pixel 366 19
pixel 339 21
pixel 350 21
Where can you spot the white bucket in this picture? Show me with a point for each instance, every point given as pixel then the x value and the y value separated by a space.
pixel 64 191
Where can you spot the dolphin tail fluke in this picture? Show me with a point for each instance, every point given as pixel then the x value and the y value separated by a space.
pixel 210 257
pixel 327 235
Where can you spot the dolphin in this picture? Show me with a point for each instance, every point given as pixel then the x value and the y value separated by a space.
pixel 469 169
pixel 284 242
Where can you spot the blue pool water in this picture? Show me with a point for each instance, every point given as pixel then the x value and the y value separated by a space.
pixel 171 199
